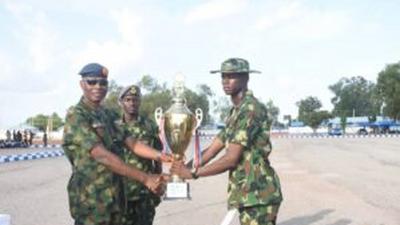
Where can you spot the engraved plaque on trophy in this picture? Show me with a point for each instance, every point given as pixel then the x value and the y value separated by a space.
pixel 178 124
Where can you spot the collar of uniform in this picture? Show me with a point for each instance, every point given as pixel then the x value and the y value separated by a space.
pixel 132 121
pixel 89 106
pixel 247 94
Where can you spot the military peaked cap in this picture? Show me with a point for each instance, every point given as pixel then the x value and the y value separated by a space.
pixel 94 70
pixel 130 90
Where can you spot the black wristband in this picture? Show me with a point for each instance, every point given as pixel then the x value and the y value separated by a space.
pixel 194 175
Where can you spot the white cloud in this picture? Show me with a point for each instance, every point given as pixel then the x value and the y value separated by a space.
pixel 6 68
pixel 119 53
pixel 214 9
pixel 282 15
pixel 295 20
pixel 35 32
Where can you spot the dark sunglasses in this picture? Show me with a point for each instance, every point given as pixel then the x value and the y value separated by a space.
pixel 101 82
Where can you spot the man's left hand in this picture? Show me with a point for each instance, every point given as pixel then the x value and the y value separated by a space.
pixel 179 168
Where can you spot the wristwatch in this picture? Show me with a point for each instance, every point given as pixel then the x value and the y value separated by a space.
pixel 193 172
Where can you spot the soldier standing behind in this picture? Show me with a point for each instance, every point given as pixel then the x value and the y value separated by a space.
pixel 141 203
pixel 31 134
pixel 253 187
pixel 45 139
pixel 93 145
pixel 8 134
pixel 25 137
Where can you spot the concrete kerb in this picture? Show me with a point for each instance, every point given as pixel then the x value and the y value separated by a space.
pixel 300 136
pixel 50 154
pixel 31 156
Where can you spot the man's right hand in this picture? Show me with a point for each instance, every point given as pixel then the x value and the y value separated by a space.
pixel 165 157
pixel 155 183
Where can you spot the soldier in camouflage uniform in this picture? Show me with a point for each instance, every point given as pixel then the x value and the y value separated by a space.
pixel 93 145
pixel 141 203
pixel 253 187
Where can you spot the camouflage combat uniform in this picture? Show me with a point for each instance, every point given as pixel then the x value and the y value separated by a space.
pixel 254 187
pixel 141 203
pixel 93 189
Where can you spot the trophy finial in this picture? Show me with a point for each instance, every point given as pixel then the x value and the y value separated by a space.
pixel 179 86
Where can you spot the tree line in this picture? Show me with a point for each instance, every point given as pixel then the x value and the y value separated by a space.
pixel 156 95
pixel 356 96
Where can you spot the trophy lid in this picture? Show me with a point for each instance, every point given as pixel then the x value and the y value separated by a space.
pixel 178 89
pixel 179 86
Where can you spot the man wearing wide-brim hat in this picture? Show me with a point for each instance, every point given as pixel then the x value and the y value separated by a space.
pixel 254 187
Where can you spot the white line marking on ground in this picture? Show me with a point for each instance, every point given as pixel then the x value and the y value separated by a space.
pixel 229 217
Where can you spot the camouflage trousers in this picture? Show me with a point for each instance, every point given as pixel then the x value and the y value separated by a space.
pixel 139 212
pixel 107 219
pixel 259 215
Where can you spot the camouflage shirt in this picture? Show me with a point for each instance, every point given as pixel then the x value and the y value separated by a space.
pixel 93 189
pixel 253 181
pixel 146 131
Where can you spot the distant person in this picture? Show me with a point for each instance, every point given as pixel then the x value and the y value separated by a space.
pixel 19 136
pixel 94 146
pixel 25 137
pixel 31 134
pixel 45 139
pixel 8 135
pixel 141 203
pixel 14 136
pixel 254 188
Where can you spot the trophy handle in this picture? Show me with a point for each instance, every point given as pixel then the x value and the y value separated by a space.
pixel 199 117
pixel 158 114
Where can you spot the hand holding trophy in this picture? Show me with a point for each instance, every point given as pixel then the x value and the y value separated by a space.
pixel 178 124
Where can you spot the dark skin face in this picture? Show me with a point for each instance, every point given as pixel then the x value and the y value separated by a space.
pixel 130 106
pixel 234 84
pixel 94 90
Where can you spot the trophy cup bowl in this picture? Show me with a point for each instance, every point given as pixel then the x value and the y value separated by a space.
pixel 178 124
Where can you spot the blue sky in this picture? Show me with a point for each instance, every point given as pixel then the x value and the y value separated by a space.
pixel 300 46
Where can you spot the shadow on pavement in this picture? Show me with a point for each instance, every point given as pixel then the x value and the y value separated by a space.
pixel 342 222
pixel 306 220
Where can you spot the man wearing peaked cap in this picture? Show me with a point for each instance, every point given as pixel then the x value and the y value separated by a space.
pixel 94 70
pixel 141 203
pixel 253 188
pixel 94 146
pixel 132 90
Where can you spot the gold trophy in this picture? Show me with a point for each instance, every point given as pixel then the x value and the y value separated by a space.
pixel 178 124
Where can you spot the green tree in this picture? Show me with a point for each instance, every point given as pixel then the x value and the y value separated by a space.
pixel 195 101
pixel 388 89
pixel 41 121
pixel 221 107
pixel 57 121
pixel 288 118
pixel 150 84
pixel 354 95
pixel 310 113
pixel 273 113
pixel 343 122
pixel 111 101
pixel 155 95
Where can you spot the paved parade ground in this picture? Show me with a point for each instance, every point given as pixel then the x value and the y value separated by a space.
pixel 325 182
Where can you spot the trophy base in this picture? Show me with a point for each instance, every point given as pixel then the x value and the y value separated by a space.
pixel 177 190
